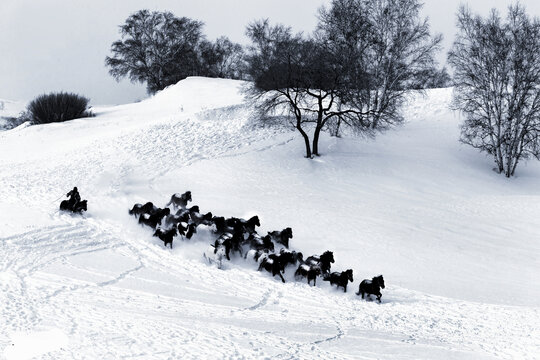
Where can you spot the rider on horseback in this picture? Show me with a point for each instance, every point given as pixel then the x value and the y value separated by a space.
pixel 74 199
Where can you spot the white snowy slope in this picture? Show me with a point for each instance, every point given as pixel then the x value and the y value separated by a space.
pixel 458 245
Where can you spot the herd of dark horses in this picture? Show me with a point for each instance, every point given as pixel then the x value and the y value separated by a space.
pixel 239 237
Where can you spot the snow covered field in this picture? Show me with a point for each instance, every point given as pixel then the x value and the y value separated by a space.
pixel 458 244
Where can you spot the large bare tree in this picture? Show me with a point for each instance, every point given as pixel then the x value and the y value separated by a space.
pixel 354 70
pixel 384 47
pixel 497 84
pixel 156 48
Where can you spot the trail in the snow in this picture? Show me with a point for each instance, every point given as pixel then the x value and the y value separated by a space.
pixel 152 289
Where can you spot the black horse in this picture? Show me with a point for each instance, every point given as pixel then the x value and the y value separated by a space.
pixel 371 287
pixel 227 225
pixel 220 224
pixel 250 224
pixel 282 237
pixel 290 257
pixel 153 220
pixel 256 242
pixel 237 239
pixel 166 235
pixel 198 218
pixel 308 271
pixel 324 261
pixel 273 265
pixel 78 208
pixel 138 209
pixel 340 278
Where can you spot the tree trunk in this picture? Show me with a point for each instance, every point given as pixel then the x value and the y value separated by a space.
pixel 306 139
pixel 514 167
pixel 499 157
pixel 316 136
pixel 318 128
pixel 336 132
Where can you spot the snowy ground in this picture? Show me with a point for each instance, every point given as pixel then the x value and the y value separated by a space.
pixel 458 244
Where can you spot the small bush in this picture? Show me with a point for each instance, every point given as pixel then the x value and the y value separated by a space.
pixel 58 107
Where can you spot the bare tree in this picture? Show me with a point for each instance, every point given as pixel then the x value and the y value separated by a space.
pixel 497 85
pixel 276 64
pixel 384 47
pixel 222 58
pixel 355 70
pixel 297 78
pixel 157 48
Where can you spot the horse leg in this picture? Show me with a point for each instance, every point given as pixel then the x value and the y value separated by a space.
pixel 281 276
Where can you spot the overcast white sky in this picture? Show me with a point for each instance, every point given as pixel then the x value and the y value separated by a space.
pixel 53 45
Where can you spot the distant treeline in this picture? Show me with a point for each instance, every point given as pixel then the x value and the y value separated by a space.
pixel 159 49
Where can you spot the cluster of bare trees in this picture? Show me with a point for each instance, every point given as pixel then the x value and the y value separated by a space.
pixel 497 85
pixel 356 68
pixel 160 49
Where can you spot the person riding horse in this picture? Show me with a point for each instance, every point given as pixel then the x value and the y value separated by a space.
pixel 74 199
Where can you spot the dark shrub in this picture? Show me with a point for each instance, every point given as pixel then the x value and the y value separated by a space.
pixel 57 107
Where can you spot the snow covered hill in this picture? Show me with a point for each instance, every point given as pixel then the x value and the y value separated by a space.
pixel 9 109
pixel 458 244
